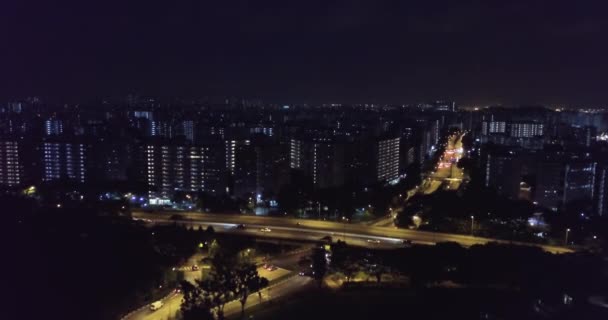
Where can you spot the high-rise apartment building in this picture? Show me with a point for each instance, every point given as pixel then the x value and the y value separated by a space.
pixel 53 127
pixel 502 170
pixel 560 180
pixel 170 166
pixel 63 160
pixel 387 159
pixel 492 127
pixel 11 163
pixel 322 159
pixel 525 129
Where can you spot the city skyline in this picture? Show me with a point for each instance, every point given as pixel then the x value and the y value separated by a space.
pixel 319 159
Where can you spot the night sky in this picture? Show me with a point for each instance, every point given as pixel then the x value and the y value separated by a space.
pixel 475 52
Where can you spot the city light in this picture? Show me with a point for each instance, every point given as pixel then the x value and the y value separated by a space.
pixel 215 161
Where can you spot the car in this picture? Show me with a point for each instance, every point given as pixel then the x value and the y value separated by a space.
pixel 156 305
pixel 376 241
pixel 265 229
pixel 269 267
pixel 306 273
pixel 407 242
pixel 240 227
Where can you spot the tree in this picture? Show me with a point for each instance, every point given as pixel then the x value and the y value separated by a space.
pixel 194 306
pixel 210 230
pixel 245 281
pixel 319 264
pixel 339 255
pixel 261 285
pixel 344 259
pixel 218 284
pixel 378 267
pixel 351 268
pixel 292 197
pixel 466 164
pixel 214 248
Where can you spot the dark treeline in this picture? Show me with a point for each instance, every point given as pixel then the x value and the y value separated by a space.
pixel 72 263
pixel 530 270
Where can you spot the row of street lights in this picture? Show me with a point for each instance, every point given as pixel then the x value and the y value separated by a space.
pixel 565 240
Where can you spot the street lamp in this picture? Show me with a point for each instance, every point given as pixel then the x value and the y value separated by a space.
pixel 344 221
pixel 566 239
pixel 472 221
pixel 319 209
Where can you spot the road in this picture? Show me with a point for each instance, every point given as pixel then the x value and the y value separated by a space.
pixel 282 289
pixel 172 304
pixel 289 285
pixel 301 229
pixel 446 169
pixel 446 173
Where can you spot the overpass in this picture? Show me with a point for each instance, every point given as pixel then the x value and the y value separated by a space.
pixel 310 230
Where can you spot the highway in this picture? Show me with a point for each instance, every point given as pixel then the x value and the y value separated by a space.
pixel 301 229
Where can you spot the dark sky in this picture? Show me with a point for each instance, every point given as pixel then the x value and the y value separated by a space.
pixel 476 52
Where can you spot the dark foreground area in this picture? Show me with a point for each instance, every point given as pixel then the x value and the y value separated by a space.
pixel 437 303
pixel 79 263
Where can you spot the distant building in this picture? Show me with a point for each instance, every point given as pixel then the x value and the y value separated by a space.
pixel 261 167
pixel 601 191
pixel 170 166
pixel 63 160
pixel 143 114
pixel 15 107
pixel 562 180
pixel 573 135
pixel 272 166
pixel 408 155
pixel 387 159
pixel 322 159
pixel 11 163
pixel 108 160
pixel 445 106
pixel 333 162
pixel 53 127
pixel 268 131
pixel 492 127
pixel 160 128
pixel 502 170
pixel 525 129
pixel 188 129
pixel 243 166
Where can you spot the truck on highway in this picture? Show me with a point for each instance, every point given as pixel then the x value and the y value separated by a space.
pixel 156 305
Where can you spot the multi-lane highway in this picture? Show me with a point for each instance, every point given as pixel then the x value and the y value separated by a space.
pixel 300 229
